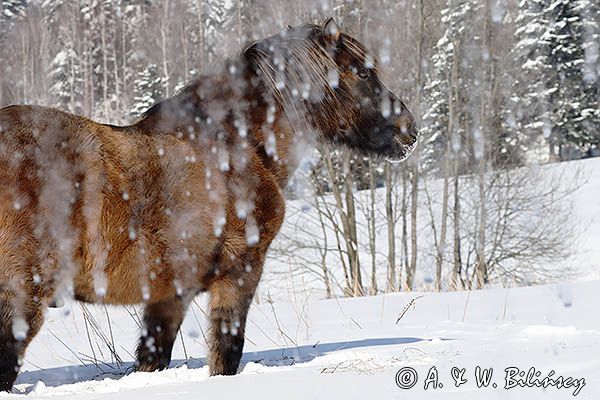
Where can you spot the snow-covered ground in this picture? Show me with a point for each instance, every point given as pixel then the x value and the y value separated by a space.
pixel 303 347
pixel 346 348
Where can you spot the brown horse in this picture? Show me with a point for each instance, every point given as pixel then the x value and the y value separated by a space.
pixel 186 200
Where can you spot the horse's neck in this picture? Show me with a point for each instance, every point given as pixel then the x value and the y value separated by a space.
pixel 274 141
pixel 278 148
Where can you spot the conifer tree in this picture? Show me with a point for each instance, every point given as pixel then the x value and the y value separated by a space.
pixel 148 89
pixel 553 100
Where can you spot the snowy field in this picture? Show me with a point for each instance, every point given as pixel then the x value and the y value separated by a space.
pixel 346 349
pixel 303 347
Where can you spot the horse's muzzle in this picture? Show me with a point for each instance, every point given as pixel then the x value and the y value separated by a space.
pixel 406 135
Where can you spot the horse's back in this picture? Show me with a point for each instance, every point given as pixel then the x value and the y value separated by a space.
pixel 29 121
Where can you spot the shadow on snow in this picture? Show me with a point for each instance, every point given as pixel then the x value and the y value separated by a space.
pixel 53 377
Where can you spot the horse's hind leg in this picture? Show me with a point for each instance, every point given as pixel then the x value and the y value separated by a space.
pixel 161 324
pixel 16 332
pixel 9 351
pixel 230 299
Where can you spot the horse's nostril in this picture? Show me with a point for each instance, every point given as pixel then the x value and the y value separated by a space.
pixel 409 134
pixel 409 128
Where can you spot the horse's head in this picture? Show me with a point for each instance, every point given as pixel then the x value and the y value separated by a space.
pixel 380 124
pixel 331 80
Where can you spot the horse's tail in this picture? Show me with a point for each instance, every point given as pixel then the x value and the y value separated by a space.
pixel 11 275
pixel 20 310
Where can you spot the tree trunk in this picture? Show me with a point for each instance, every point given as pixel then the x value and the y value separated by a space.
pixel 391 230
pixel 445 195
pixel 163 44
pixel 444 224
pixel 486 113
pixel 353 254
pixel 404 212
pixel 414 197
pixel 372 232
pixel 410 275
pixel 324 250
pixel 104 66
pixel 457 282
pixel 348 221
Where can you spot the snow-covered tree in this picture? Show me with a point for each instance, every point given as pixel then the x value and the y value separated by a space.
pixel 571 114
pixel 9 11
pixel 64 70
pixel 217 16
pixel 99 23
pixel 590 16
pixel 445 94
pixel 66 81
pixel 552 99
pixel 148 89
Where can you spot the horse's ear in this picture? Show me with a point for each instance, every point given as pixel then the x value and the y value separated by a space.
pixel 331 31
pixel 250 47
pixel 250 54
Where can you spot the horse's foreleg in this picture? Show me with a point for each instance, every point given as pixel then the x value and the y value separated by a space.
pixel 161 324
pixel 16 332
pixel 230 299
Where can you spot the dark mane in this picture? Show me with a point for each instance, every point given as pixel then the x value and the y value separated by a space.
pixel 301 75
pixel 182 101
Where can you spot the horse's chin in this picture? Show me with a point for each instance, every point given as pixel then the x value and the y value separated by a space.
pixel 387 143
pixel 397 150
pixel 402 146
pixel 401 153
pixel 391 154
pixel 395 160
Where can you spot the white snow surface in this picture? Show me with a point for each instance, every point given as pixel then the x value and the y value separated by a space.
pixel 300 347
pixel 340 349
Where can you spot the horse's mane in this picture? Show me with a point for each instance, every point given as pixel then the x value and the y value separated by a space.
pixel 291 59
pixel 297 71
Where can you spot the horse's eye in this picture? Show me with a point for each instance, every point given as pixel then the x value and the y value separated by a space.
pixel 362 74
